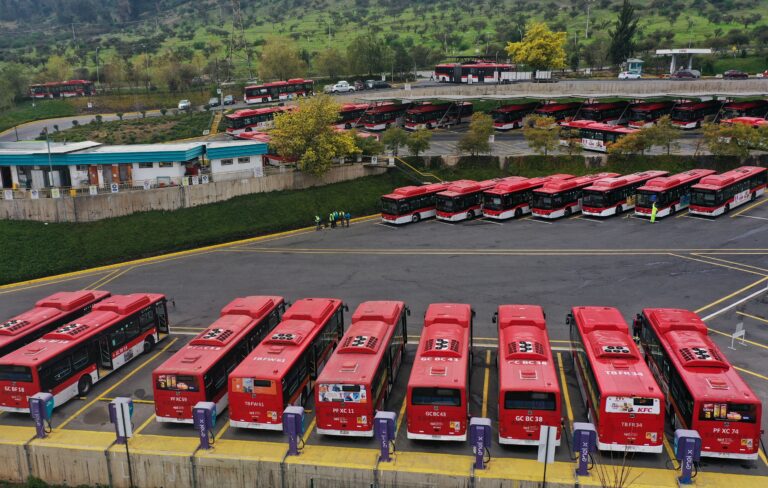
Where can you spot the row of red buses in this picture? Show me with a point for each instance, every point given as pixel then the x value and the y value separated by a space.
pixel 48 314
pixel 717 194
pixel 198 371
pixel 360 374
pixel 250 120
pixel 704 392
pixel 669 193
pixel 283 368
pixel 384 116
pixel 610 113
pixel 561 198
pixel 623 400
pixel 474 72
pixel 62 89
pixel 613 196
pixel 643 115
pixel 437 398
pixel 69 360
pixel 410 203
pixel 279 91
pixel 432 115
pixel 462 200
pixel 529 394
pixel 512 196
pixel 592 136
pixel 509 117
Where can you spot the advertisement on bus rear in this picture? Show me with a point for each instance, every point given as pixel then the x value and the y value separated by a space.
pixel 343 393
pixel 615 404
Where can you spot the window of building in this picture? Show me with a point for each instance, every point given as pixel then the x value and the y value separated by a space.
pixel 244 160
pixel 146 165
pixel 227 162
pixel 82 167
pixel 166 165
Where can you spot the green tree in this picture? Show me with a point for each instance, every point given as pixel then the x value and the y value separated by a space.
pixel 541 133
pixel 368 53
pixel 540 48
pixel 623 34
pixel 307 136
pixel 330 62
pixel 419 141
pixel 368 146
pixel 734 140
pixel 394 138
pixel 476 140
pixel 635 143
pixel 17 79
pixel 663 133
pixel 280 60
pixel 57 69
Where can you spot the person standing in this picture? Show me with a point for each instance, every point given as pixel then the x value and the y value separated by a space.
pixel 331 220
pixel 347 216
pixel 653 212
pixel 317 222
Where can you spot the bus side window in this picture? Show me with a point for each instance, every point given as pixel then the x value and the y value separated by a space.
pixel 146 319
pixel 117 338
pixel 53 374
pixel 132 328
pixel 80 359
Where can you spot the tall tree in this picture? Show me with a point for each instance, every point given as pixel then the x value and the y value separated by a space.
pixel 732 140
pixel 330 62
pixel 57 69
pixel 419 141
pixel 540 48
pixel 394 138
pixel 476 140
pixel 623 34
pixel 280 60
pixel 368 53
pixel 541 133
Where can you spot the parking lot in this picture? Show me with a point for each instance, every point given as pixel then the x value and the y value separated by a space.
pixel 714 267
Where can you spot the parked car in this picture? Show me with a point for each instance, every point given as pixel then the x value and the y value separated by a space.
pixel 686 74
pixel 734 74
pixel 380 84
pixel 359 85
pixel 213 102
pixel 342 87
pixel 185 105
pixel 629 75
pixel 229 100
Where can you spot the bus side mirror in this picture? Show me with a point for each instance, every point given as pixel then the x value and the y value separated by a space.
pixel 346 307
pixel 568 319
pixel 408 311
pixel 495 317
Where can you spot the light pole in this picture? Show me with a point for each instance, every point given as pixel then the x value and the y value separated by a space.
pixel 97 67
pixel 50 163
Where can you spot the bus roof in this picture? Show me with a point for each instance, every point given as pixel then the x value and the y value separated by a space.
pixel 250 112
pixel 361 349
pixel 353 107
pixel 603 105
pixel 613 183
pixel 745 104
pixel 464 187
pixel 753 121
pixel 718 182
pixel 67 82
pixel 446 335
pixel 650 106
pixel 708 373
pixel 205 349
pixel 615 359
pixel 695 105
pixel 386 107
pixel 557 186
pixel 412 191
pixel 518 183
pixel 591 124
pixel 516 106
pixel 668 182
pixel 434 107
pixel 524 346
pixel 554 107
pixel 292 81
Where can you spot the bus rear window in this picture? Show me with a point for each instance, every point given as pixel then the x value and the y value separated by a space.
pixel 449 397
pixel 177 382
pixel 529 400
pixel 729 412
pixel 9 372
pixel 342 393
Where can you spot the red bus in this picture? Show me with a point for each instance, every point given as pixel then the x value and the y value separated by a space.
pixel 431 115
pixel 351 115
pixel 410 203
pixel 282 370
pixel 704 392
pixel 717 194
pixel 437 399
pixel 690 115
pixel 474 72
pixel 646 114
pixel 62 89
pixel 279 91
pixel 384 116
pixel 612 196
pixel 529 394
pixel 67 361
pixel 49 313
pixel 623 400
pixel 750 108
pixel 462 200
pixel 198 371
pixel 751 121
pixel 512 196
pixel 611 113
pixel 509 117
pixel 669 193
pixel 254 120
pixel 561 198
pixel 561 112
pixel 592 136
pixel 360 374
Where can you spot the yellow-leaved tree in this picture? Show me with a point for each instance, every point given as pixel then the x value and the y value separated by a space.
pixel 540 49
pixel 307 136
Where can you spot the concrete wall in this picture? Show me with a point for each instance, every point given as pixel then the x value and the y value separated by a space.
pixel 97 207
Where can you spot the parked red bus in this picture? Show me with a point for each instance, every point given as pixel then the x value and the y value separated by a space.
pixel 751 121
pixel 360 374
pixel 610 113
pixel 592 136
pixel 509 117
pixel 279 90
pixel 529 394
pixel 198 371
pixel 384 116
pixel 474 72
pixel 704 392
pixel 432 115
pixel 623 400
pixel 690 115
pixel 717 194
pixel 561 112
pixel 254 120
pixel 437 399
pixel 646 114
pixel 48 314
pixel 410 203
pixel 351 115
pixel 462 200
pixel 561 198
pixel 282 370
pixel 613 196
pixel 62 89
pixel 68 361
pixel 749 108
pixel 669 193
pixel 512 196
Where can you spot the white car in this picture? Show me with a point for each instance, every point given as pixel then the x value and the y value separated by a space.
pixel 629 75
pixel 185 105
pixel 342 87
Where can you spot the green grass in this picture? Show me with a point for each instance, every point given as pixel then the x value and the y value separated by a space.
pixel 43 109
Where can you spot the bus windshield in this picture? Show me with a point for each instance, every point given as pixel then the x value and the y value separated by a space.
pixel 492 202
pixel 645 115
pixel 704 198
pixel 593 199
pixel 446 204
pixel 177 382
pixel 529 400
pixel 393 207
pixel 729 412
pixel 546 201
pixel 646 198
pixel 683 115
pixel 450 397
pixel 10 372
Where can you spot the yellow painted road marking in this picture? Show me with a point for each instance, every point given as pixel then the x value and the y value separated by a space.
pixel 718 264
pixel 14 290
pixel 731 262
pixel 484 412
pixel 95 284
pixel 755 317
pixel 134 400
pixel 749 208
pixel 741 290
pixel 115 276
pixel 129 375
pixel 744 340
pixel 566 394
pixel 401 415
pixel 221 432
pixel 309 430
pixel 144 424
pixel 752 373
pixel 670 452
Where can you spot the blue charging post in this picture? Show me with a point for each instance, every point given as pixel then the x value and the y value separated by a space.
pixel 687 451
pixel 293 427
pixel 41 410
pixel 203 419
pixel 480 438
pixel 584 443
pixel 384 431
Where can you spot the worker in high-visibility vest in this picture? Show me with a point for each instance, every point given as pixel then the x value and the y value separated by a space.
pixel 317 222
pixel 653 212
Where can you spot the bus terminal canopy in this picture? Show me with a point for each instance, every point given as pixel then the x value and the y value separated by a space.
pixel 580 96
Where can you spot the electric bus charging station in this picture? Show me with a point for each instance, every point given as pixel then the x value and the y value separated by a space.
pixel 384 431
pixel 584 443
pixel 480 438
pixel 41 410
pixel 203 419
pixel 687 452
pixel 120 414
pixel 293 427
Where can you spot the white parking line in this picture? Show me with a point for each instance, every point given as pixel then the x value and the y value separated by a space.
pixel 489 222
pixel 752 217
pixel 531 219
pixel 387 226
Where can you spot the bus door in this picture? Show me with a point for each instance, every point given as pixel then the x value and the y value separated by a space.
pixel 105 356
pixel 162 319
pixel 456 74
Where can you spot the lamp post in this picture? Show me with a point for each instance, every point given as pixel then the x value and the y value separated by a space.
pixel 50 163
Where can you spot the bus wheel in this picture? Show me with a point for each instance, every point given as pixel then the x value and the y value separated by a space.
pixel 84 385
pixel 470 215
pixel 673 209
pixel 347 125
pixel 149 344
pixel 727 208
pixel 416 217
pixel 387 125
pixel 568 212
pixel 429 125
pixel 753 197
pixel 619 210
pixel 518 213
